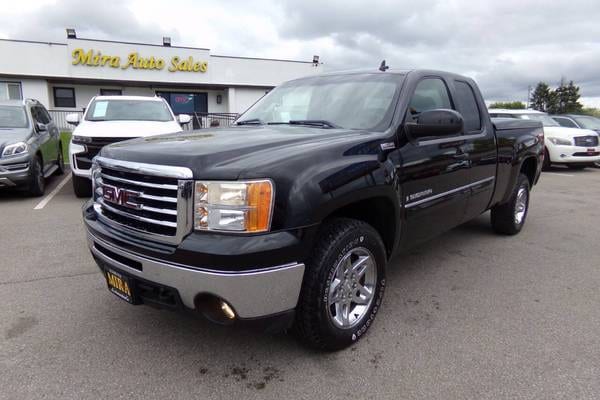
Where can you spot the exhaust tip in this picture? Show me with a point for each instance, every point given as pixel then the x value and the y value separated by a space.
pixel 215 309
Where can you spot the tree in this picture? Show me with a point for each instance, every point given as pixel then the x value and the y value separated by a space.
pixel 566 99
pixel 542 97
pixel 509 105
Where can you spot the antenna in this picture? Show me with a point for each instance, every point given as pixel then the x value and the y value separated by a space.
pixel 383 67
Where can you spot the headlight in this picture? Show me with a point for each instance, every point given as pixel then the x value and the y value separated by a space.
pixel 241 206
pixel 81 139
pixel 14 149
pixel 562 142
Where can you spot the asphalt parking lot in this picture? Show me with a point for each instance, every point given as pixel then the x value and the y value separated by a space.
pixel 467 315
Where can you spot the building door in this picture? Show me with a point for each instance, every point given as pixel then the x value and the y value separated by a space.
pixel 187 103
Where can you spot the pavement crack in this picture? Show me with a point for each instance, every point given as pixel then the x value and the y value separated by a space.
pixel 48 278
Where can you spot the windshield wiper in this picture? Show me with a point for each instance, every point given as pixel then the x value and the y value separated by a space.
pixel 313 122
pixel 253 121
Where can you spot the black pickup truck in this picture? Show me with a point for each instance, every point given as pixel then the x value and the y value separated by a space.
pixel 290 217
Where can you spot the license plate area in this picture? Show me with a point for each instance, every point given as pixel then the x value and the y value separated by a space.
pixel 120 285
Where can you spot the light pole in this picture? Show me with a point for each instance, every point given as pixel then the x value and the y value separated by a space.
pixel 528 95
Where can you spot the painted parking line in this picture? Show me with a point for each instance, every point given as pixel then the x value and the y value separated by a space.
pixel 556 173
pixel 53 193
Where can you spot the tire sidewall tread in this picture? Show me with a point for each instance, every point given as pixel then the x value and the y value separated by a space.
pixel 313 323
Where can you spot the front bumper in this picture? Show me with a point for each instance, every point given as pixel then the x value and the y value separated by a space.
pixel 14 171
pixel 76 169
pixel 573 154
pixel 252 294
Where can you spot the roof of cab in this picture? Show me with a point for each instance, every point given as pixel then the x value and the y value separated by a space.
pixel 141 98
pixel 508 111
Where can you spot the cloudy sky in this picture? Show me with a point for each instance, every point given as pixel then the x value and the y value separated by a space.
pixel 505 45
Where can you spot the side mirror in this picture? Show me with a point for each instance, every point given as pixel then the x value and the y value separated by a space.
pixel 434 123
pixel 72 119
pixel 40 127
pixel 184 119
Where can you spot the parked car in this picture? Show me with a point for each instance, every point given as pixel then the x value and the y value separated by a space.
pixel 111 119
pixel 575 148
pixel 290 217
pixel 578 121
pixel 30 146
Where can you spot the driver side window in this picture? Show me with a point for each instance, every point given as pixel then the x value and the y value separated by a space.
pixel 430 94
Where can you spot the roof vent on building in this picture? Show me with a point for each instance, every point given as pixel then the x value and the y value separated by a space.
pixel 71 34
pixel 166 41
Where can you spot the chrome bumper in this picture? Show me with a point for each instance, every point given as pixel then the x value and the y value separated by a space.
pixel 252 294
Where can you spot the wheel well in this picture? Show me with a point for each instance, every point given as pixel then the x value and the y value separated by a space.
pixel 529 168
pixel 378 212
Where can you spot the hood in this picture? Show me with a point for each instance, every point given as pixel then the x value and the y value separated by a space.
pixel 225 153
pixel 566 133
pixel 126 128
pixel 13 135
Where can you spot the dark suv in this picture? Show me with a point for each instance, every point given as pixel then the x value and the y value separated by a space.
pixel 30 147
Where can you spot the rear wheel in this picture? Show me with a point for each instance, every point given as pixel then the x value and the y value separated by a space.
pixel 509 218
pixel 37 183
pixel 60 162
pixel 343 285
pixel 82 186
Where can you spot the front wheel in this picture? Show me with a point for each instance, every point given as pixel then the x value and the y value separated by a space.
pixel 37 183
pixel 82 186
pixel 343 285
pixel 509 218
pixel 547 163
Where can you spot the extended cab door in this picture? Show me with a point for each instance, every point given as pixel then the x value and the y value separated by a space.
pixel 434 172
pixel 479 144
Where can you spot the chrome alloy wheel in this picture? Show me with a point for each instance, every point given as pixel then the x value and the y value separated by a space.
pixel 521 205
pixel 352 288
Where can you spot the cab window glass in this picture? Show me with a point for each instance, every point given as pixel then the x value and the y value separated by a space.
pixel 468 106
pixel 565 122
pixel 430 94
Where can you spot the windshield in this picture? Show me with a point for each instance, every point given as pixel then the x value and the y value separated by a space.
pixel 589 122
pixel 543 118
pixel 357 101
pixel 128 110
pixel 13 117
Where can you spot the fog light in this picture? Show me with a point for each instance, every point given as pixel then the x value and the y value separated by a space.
pixel 563 155
pixel 227 310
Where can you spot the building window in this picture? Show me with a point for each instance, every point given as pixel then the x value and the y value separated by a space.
pixel 111 92
pixel 64 97
pixel 10 91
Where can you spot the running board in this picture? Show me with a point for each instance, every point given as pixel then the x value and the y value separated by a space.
pixel 51 170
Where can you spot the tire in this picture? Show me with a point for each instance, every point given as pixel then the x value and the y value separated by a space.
pixel 546 165
pixel 326 324
pixel 509 218
pixel 37 183
pixel 60 162
pixel 82 186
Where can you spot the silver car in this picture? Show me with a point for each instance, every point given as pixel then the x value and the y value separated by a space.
pixel 30 146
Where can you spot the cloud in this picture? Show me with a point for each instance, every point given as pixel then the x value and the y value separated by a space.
pixel 506 46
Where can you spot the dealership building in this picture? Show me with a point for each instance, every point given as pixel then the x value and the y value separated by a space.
pixel 65 76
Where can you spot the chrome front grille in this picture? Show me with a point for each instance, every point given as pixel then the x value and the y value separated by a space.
pixel 150 201
pixel 586 141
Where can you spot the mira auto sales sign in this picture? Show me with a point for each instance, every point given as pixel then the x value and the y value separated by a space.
pixel 137 61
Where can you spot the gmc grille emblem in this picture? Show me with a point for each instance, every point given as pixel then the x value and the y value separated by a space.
pixel 122 197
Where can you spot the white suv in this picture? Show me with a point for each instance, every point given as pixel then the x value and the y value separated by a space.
pixel 575 148
pixel 110 119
